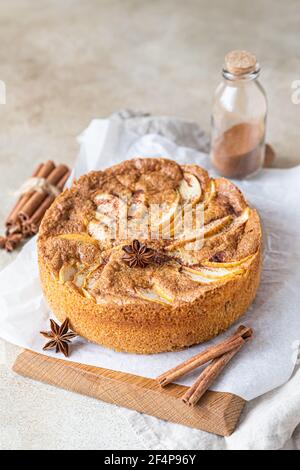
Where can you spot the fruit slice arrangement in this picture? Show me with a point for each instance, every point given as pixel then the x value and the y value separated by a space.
pixel 79 277
pixel 190 189
pixel 210 271
pixel 198 199
pixel 207 273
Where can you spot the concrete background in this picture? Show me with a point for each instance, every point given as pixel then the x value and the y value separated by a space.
pixel 65 63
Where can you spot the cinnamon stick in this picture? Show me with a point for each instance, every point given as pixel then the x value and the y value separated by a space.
pixel 231 343
pixel 64 179
pixel 11 219
pixel 207 377
pixel 42 171
pixel 27 213
pixel 37 198
pixel 31 226
pixel 12 241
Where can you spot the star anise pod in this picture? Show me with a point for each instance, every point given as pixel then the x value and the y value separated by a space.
pixel 10 242
pixel 138 254
pixel 60 337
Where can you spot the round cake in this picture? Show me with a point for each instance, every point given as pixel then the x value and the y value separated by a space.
pixel 150 256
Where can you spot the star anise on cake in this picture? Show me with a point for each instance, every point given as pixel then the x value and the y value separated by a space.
pixel 138 254
pixel 60 337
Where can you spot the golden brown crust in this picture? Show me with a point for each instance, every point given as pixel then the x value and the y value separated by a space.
pixel 189 307
pixel 147 328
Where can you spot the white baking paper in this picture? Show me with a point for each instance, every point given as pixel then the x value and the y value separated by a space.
pixel 266 362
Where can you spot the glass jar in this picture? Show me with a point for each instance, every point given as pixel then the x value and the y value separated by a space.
pixel 239 118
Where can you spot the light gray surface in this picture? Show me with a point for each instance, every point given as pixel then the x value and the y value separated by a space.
pixel 66 62
pixel 38 416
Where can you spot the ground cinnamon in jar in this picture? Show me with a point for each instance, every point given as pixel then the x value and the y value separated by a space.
pixel 239 118
pixel 239 151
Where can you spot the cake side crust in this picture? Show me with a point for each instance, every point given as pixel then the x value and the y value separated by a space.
pixel 200 321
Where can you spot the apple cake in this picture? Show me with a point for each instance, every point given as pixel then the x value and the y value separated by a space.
pixel 117 257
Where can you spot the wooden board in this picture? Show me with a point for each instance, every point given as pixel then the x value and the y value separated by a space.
pixel 217 412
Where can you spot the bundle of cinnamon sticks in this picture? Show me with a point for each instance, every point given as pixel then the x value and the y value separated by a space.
pixel 219 355
pixel 37 195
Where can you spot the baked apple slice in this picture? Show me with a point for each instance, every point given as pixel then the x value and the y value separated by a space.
pixel 110 208
pixel 191 236
pixel 214 273
pixel 229 264
pixel 81 277
pixel 87 294
pixel 189 207
pixel 190 189
pixel 242 218
pixel 202 277
pixel 101 231
pixel 162 293
pixel 107 203
pixel 197 277
pixel 182 242
pixel 66 273
pixel 217 225
pixel 153 296
pixel 210 194
pixel 79 237
pixel 138 205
